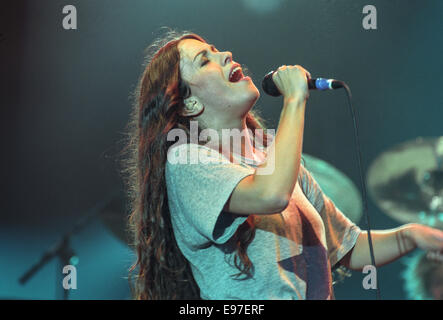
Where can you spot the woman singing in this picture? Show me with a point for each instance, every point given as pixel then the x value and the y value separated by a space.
pixel 239 223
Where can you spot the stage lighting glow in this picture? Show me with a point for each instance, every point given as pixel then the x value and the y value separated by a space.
pixel 261 6
pixel 74 260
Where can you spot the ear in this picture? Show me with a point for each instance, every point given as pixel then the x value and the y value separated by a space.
pixel 193 107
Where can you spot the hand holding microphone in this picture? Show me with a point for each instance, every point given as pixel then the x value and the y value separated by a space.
pixel 289 81
pixel 270 86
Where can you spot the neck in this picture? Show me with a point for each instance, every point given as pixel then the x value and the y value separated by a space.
pixel 237 140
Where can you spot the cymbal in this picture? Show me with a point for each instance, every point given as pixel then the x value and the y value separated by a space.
pixel 406 182
pixel 337 186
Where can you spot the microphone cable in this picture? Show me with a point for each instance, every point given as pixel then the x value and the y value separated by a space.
pixel 322 84
pixel 362 181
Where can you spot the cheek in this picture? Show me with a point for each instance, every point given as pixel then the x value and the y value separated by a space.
pixel 210 84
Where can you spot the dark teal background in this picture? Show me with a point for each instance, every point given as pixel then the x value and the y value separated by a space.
pixel 65 101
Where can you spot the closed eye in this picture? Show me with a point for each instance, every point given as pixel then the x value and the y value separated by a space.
pixel 205 55
pixel 205 61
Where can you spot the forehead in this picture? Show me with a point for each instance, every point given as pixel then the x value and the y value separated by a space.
pixel 188 48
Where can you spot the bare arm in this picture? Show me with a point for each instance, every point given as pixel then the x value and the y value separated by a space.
pixel 270 188
pixel 389 245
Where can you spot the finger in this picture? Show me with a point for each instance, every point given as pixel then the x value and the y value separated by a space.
pixel 308 74
pixel 435 256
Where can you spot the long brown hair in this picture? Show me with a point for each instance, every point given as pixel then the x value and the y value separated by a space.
pixel 162 272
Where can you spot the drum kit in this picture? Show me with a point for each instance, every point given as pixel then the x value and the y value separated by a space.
pixel 406 182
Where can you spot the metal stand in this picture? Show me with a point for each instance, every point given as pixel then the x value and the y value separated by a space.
pixel 63 250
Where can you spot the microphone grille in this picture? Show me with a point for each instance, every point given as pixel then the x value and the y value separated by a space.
pixel 269 86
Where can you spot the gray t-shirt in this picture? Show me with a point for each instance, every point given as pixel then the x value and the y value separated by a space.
pixel 292 251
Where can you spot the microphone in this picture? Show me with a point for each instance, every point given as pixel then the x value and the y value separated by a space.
pixel 270 88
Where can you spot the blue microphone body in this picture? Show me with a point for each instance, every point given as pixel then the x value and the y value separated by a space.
pixel 321 84
pixel 270 88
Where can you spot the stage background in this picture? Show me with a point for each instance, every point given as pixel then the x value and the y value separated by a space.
pixel 65 102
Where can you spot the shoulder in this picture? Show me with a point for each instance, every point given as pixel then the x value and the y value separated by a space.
pixel 192 153
pixel 186 161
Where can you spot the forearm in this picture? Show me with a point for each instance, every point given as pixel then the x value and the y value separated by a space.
pixel 388 246
pixel 284 154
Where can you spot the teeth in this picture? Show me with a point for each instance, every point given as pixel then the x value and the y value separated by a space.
pixel 233 71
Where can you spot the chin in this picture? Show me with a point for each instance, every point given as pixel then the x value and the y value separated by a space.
pixel 250 101
pixel 253 92
pixel 255 95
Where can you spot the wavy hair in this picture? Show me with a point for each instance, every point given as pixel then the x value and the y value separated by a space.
pixel 162 272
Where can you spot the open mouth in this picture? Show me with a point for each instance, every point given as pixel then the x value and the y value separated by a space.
pixel 236 75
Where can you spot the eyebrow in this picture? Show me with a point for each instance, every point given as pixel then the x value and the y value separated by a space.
pixel 204 51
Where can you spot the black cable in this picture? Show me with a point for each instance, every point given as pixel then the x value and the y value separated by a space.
pixel 362 182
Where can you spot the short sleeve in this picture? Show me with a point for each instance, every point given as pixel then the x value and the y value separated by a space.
pixel 199 182
pixel 341 233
